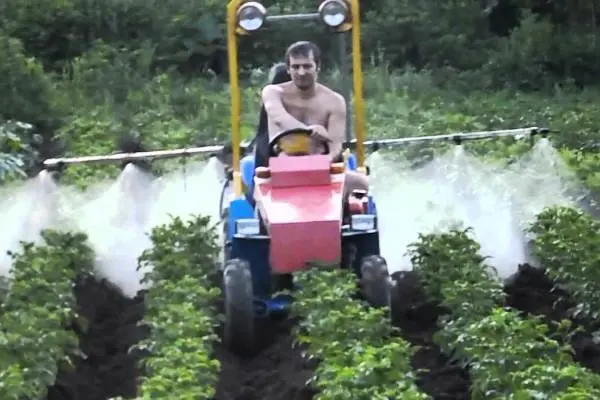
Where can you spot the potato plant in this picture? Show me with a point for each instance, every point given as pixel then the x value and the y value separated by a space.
pixel 4 285
pixel 180 312
pixel 496 343
pixel 352 341
pixel 40 304
pixel 566 242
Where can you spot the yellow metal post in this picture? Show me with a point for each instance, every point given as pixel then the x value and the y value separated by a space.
pixel 357 80
pixel 234 87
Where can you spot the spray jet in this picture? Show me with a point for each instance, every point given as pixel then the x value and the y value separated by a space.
pixel 240 163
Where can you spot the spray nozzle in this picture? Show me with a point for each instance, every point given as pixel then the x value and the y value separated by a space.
pixel 457 139
pixel 58 167
pixel 543 132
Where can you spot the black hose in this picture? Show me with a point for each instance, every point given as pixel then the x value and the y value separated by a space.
pixel 221 198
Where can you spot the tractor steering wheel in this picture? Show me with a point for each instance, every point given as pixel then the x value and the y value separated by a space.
pixel 298 145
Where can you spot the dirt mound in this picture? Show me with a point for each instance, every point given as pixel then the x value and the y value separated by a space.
pixel 530 290
pixel 417 318
pixel 277 372
pixel 109 370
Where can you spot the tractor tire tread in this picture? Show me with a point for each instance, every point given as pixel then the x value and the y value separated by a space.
pixel 239 333
pixel 375 281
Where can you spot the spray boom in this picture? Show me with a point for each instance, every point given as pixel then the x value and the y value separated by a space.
pixel 143 155
pixel 222 151
pixel 457 138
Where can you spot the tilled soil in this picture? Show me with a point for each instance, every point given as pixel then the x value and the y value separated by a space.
pixel 278 371
pixel 529 290
pixel 532 292
pixel 417 319
pixel 109 369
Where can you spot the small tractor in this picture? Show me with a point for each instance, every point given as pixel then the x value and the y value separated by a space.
pixel 284 217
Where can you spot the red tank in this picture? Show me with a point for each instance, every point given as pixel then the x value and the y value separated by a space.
pixel 301 205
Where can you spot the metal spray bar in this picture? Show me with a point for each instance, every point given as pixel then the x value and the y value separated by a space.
pixel 215 150
pixel 457 138
pixel 144 155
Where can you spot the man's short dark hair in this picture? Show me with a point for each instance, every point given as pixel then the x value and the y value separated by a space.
pixel 303 49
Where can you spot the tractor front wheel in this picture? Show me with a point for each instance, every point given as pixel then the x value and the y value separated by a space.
pixel 375 281
pixel 239 333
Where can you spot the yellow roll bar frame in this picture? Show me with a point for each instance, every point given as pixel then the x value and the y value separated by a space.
pixel 234 81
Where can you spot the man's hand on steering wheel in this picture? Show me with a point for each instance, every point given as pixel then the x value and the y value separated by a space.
pixel 320 133
pixel 304 148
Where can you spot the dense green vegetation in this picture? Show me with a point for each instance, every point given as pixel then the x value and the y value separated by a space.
pixel 180 311
pixel 352 342
pixel 34 342
pixel 90 77
pixel 87 74
pixel 478 328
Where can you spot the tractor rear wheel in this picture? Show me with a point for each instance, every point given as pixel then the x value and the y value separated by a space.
pixel 375 283
pixel 239 333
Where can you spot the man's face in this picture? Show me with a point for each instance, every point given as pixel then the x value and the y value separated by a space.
pixel 303 71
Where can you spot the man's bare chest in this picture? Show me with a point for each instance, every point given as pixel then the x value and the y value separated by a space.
pixel 307 112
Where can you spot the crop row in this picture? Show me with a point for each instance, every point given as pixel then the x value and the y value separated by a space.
pixel 359 355
pixel 566 242
pixel 180 311
pixel 351 341
pixel 509 357
pixel 38 311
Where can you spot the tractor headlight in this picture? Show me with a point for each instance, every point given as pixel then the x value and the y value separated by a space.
pixel 251 16
pixel 334 12
pixel 247 227
pixel 362 222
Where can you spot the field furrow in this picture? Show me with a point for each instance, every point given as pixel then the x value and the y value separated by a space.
pixel 108 367
pixel 534 293
pixel 416 316
pixel 565 286
pixel 277 371
pixel 505 353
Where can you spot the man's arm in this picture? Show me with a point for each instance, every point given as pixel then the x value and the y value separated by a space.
pixel 336 126
pixel 278 115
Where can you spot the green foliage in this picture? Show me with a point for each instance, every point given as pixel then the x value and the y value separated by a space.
pixel 493 43
pixel 351 340
pixel 27 90
pixel 57 31
pixel 110 87
pixel 88 73
pixel 34 340
pixel 180 311
pixel 477 329
pixel 566 242
pixel 453 270
pixel 11 159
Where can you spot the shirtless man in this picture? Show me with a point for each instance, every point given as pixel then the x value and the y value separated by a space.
pixel 305 103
